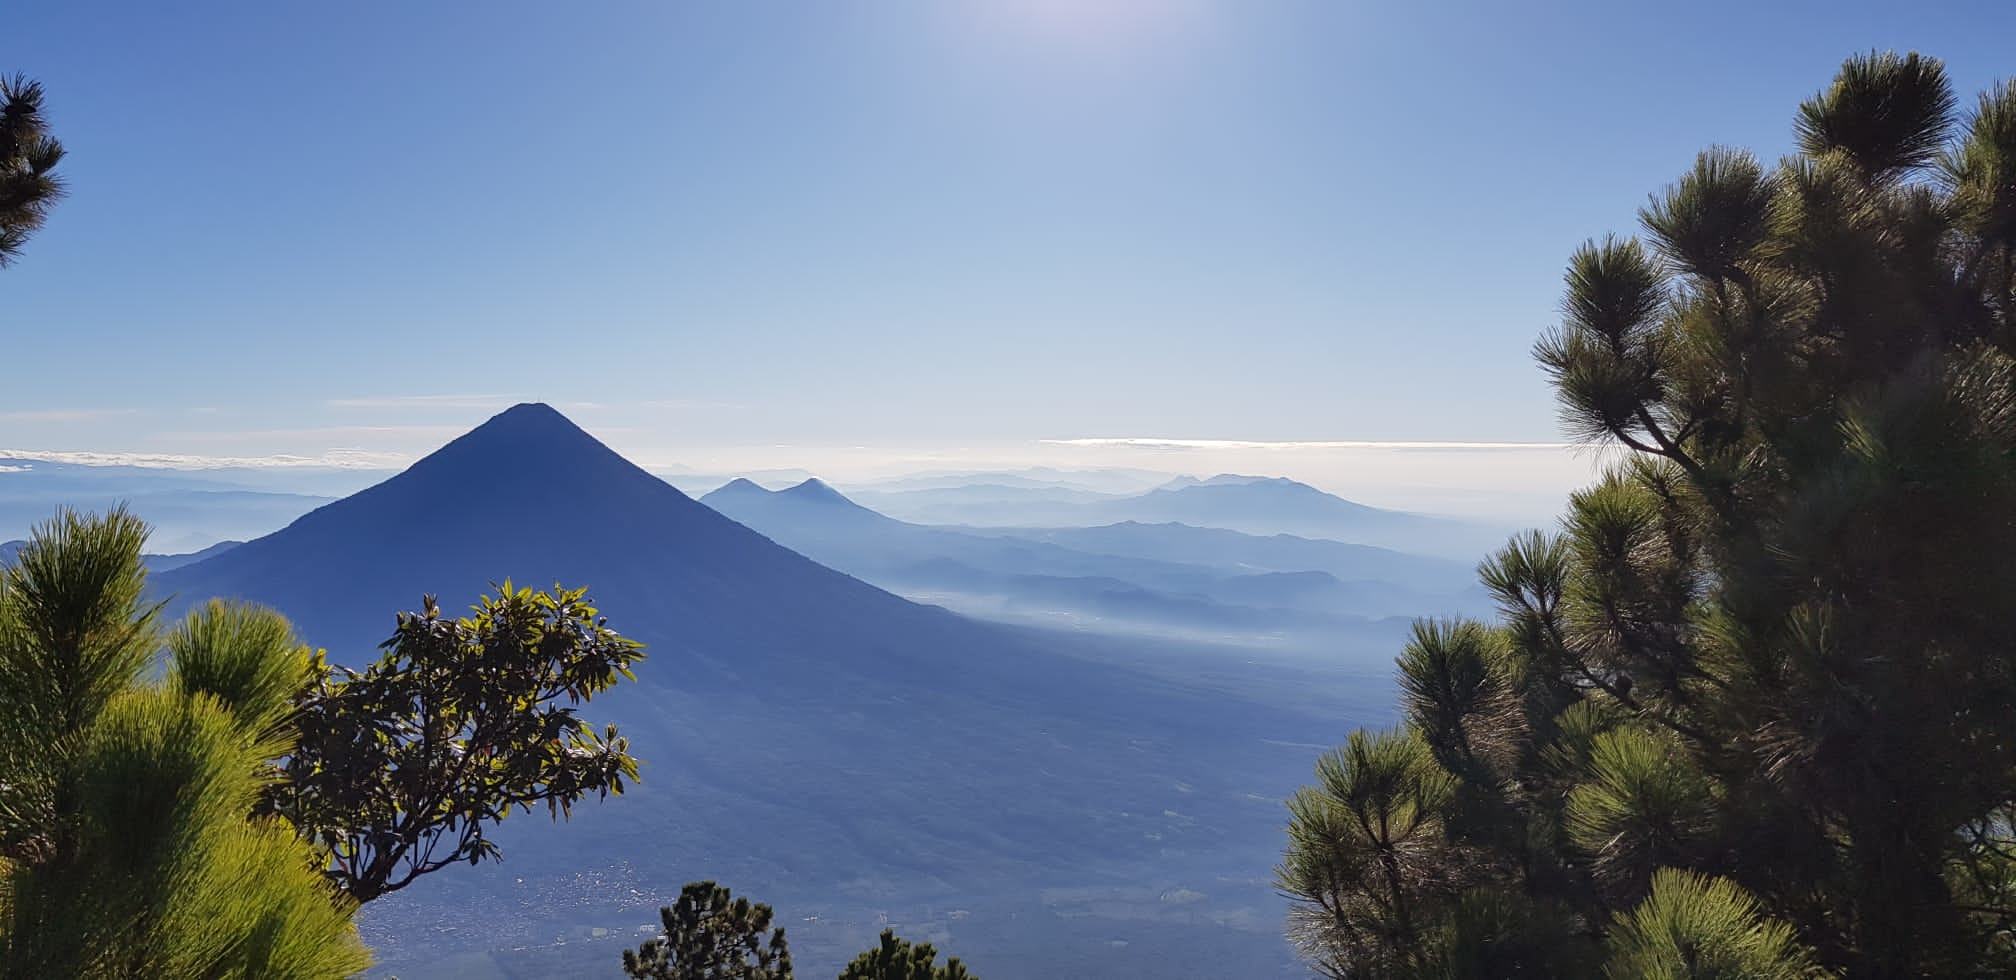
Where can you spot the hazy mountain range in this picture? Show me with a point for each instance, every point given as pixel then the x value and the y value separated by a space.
pixel 1103 791
pixel 184 520
pixel 1029 798
pixel 1167 578
pixel 1111 480
pixel 189 509
pixel 1256 505
pixel 155 563
pixel 1116 481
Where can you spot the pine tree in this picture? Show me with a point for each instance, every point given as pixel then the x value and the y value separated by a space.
pixel 898 959
pixel 709 934
pixel 1754 695
pixel 126 847
pixel 28 159
pixel 182 827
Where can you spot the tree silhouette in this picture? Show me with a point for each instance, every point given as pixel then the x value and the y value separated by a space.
pixel 28 159
pixel 226 819
pixel 712 935
pixel 709 934
pixel 401 768
pixel 898 959
pixel 1752 699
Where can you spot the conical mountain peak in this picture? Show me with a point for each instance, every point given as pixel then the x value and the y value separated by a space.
pixel 741 486
pixel 528 443
pixel 530 496
pixel 747 636
pixel 816 489
pixel 736 491
pixel 809 505
pixel 529 425
pixel 525 413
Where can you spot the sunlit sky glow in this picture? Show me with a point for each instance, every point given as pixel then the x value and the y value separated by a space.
pixel 1307 238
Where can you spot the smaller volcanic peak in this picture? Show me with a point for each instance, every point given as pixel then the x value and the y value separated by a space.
pixel 740 488
pixel 1233 485
pixel 811 506
pixel 1237 479
pixel 816 491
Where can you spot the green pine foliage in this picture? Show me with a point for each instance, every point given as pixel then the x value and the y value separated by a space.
pixel 1692 927
pixel 899 959
pixel 28 158
pixel 1489 934
pixel 180 825
pixel 1370 850
pixel 246 657
pixel 709 934
pixel 1747 712
pixel 126 845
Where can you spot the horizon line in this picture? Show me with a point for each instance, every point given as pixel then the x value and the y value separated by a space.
pixel 1151 442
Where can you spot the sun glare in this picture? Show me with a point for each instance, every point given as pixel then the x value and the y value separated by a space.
pixel 1107 27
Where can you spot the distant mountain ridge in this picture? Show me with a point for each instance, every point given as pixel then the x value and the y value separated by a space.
pixel 1178 542
pixel 162 563
pixel 155 563
pixel 811 492
pixel 184 520
pixel 741 486
pixel 530 496
pixel 805 735
pixel 1127 578
pixel 816 491
pixel 809 503
pixel 1108 480
pixel 1250 504
pixel 1244 499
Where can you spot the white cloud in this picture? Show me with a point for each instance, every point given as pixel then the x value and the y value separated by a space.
pixel 347 433
pixel 486 402
pixel 1241 444
pixel 688 404
pixel 47 415
pixel 498 403
pixel 343 459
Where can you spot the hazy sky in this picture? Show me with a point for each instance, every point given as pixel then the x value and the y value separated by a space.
pixel 728 227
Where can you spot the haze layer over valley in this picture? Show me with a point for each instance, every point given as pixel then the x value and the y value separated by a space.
pixel 1072 713
pixel 1225 558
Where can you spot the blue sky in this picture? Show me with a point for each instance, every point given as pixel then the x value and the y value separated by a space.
pixel 730 227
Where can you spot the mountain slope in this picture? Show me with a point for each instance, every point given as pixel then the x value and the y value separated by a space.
pixel 531 497
pixel 154 563
pixel 1175 542
pixel 985 503
pixel 183 520
pixel 806 736
pixel 1030 576
pixel 163 563
pixel 806 507
pixel 1277 505
pixel 1249 504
